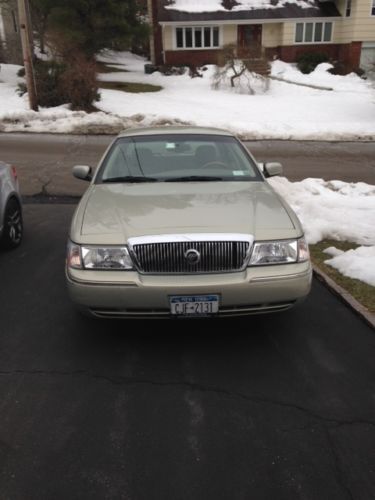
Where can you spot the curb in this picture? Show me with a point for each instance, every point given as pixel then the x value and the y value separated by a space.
pixel 345 296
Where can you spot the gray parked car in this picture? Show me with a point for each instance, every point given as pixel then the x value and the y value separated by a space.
pixel 181 221
pixel 11 224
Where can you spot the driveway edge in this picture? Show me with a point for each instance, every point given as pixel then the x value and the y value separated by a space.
pixel 345 296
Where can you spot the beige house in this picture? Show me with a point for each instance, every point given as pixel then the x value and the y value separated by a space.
pixel 186 34
pixel 10 41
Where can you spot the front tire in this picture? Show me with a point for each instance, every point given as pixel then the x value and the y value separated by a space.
pixel 13 225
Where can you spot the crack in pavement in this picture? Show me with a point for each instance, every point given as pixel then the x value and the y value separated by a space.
pixel 341 475
pixel 55 166
pixel 193 386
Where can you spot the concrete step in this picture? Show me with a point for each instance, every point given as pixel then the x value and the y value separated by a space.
pixel 260 66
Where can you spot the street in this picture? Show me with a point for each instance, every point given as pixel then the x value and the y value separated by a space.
pixel 45 161
pixel 264 407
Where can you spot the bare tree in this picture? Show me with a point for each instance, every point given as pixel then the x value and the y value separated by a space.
pixel 243 73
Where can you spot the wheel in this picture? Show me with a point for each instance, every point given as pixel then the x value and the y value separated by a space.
pixel 13 225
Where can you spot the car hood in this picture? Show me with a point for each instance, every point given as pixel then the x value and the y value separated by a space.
pixel 113 213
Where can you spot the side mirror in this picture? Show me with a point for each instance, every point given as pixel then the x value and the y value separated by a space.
pixel 272 168
pixel 83 172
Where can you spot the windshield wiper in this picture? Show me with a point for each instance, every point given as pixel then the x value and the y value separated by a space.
pixel 188 178
pixel 131 178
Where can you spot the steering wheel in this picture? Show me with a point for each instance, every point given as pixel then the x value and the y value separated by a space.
pixel 216 163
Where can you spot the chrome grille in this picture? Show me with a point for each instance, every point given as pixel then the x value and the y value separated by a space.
pixel 171 257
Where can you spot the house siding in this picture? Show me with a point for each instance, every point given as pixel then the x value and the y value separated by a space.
pixel 363 22
pixel 10 41
pixel 168 37
pixel 272 34
pixel 229 34
pixel 343 30
pixel 287 33
pixel 359 26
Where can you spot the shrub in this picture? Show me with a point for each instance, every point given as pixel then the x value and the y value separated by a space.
pixel 59 83
pixel 308 61
pixel 48 88
pixel 78 83
pixel 47 77
pixel 167 69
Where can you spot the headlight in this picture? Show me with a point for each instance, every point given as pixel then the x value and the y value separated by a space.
pixel 279 252
pixel 90 257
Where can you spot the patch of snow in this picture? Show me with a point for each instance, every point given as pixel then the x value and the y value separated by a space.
pixel 197 6
pixel 358 264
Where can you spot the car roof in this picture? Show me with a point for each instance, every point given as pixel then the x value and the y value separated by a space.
pixel 174 130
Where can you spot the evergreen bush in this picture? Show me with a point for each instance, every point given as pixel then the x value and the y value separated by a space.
pixel 308 61
pixel 47 78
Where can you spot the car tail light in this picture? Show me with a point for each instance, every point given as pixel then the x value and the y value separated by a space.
pixel 14 172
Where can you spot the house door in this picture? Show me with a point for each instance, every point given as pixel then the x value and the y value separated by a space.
pixel 250 40
pixel 367 61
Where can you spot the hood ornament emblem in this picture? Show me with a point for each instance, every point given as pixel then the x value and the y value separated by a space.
pixel 192 256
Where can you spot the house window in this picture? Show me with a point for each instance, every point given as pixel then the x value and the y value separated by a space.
pixel 309 27
pixel 197 37
pixel 299 33
pixel 318 32
pixel 188 37
pixel 327 35
pixel 348 8
pixel 313 32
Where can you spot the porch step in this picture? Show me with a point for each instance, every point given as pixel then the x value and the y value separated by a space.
pixel 259 66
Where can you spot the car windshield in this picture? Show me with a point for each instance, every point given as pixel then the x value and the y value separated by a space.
pixel 177 158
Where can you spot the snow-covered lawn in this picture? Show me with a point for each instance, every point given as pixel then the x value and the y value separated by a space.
pixel 285 111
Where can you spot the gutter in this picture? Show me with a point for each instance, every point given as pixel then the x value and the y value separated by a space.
pixel 251 21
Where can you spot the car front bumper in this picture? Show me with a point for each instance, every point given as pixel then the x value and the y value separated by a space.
pixel 130 294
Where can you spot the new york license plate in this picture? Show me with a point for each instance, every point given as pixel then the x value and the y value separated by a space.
pixel 194 305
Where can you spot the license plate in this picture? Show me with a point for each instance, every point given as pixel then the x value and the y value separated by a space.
pixel 194 305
